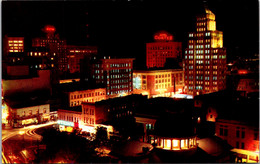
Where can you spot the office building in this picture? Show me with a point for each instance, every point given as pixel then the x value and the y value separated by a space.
pixel 13 44
pixel 55 46
pixel 114 74
pixel 158 82
pixel 163 48
pixel 205 57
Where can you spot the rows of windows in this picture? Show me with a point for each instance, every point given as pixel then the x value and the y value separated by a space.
pixel 201 29
pixel 77 103
pixel 15 41
pixel 162 80
pixel 120 65
pixel 201 24
pixel 119 81
pixel 82 51
pixel 124 114
pixel 119 86
pixel 88 120
pixel 240 132
pixel 162 86
pixel 65 117
pixel 84 95
pixel 120 76
pixel 160 48
pixel 162 76
pixel 223 130
pixel 39 54
pixel 155 53
pixel 119 92
pixel 88 111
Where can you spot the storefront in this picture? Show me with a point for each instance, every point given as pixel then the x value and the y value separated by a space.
pixel 66 125
pixel 174 143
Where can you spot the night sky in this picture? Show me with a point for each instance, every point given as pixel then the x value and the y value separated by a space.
pixel 121 28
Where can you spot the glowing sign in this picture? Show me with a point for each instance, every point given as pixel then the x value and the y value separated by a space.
pixel 66 123
pixel 49 29
pixel 163 37
pixel 243 71
pixel 137 82
pixel 183 96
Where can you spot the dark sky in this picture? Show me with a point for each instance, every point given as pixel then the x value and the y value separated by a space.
pixel 121 28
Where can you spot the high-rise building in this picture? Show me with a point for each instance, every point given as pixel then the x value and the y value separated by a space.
pixel 114 74
pixel 56 47
pixel 164 47
pixel 40 58
pixel 205 57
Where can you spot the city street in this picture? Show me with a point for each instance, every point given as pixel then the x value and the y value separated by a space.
pixel 19 144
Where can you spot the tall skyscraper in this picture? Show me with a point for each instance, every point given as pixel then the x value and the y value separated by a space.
pixel 164 47
pixel 205 57
pixel 56 48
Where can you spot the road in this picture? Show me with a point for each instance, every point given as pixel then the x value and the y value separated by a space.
pixel 19 140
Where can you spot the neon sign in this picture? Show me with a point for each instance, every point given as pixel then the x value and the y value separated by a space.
pixel 49 29
pixel 241 72
pixel 163 37
pixel 137 82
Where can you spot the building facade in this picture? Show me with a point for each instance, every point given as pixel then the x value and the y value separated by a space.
pixel 77 53
pixel 248 83
pixel 242 136
pixel 164 47
pixel 40 58
pixel 68 119
pixel 90 95
pixel 55 46
pixel 34 114
pixel 205 57
pixel 13 44
pixel 158 82
pixel 114 74
pixel 26 84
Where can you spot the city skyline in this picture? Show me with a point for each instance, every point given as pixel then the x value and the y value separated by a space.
pixel 130 81
pixel 122 29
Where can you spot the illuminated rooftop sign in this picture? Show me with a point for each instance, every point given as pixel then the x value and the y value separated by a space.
pixel 242 71
pixel 66 123
pixel 49 29
pixel 163 36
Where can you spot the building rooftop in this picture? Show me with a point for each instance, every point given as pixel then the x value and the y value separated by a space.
pixel 76 86
pixel 22 100
pixel 157 70
pixel 231 106
pixel 214 146
pixel 75 109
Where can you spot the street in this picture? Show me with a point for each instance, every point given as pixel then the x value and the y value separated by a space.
pixel 19 142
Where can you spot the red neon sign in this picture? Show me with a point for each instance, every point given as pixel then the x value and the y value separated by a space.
pixel 49 29
pixel 163 37
pixel 242 71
